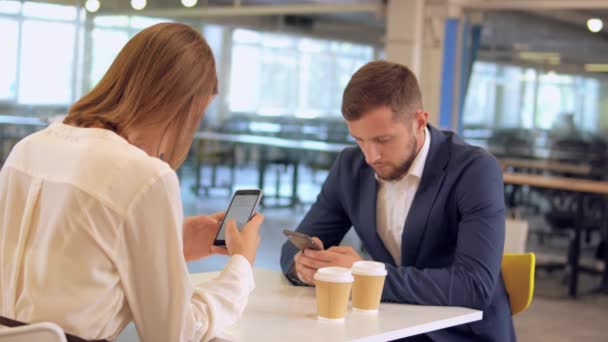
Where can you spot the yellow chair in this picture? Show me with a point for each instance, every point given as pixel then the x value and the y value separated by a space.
pixel 518 274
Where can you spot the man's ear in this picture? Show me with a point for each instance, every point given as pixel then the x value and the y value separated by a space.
pixel 422 118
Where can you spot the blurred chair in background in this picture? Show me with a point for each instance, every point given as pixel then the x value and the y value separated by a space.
pixel 518 275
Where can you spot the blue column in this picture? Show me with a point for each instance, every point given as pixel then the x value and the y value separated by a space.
pixel 471 42
pixel 448 73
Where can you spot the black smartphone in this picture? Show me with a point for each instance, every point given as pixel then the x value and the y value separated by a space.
pixel 301 240
pixel 241 209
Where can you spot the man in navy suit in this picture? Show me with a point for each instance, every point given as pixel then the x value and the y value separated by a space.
pixel 424 202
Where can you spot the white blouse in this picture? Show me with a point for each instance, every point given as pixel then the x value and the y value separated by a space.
pixel 91 239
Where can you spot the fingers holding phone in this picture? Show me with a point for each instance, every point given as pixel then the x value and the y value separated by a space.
pixel 305 273
pixel 198 235
pixel 241 209
pixel 246 241
pixel 303 241
pixel 303 268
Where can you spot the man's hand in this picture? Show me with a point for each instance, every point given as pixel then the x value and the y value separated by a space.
pixel 309 261
pixel 199 234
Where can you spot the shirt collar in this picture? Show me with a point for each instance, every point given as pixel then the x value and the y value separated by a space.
pixel 418 165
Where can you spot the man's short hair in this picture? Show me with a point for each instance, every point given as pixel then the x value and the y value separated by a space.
pixel 382 83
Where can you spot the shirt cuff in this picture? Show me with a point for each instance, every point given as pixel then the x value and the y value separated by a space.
pixel 294 278
pixel 240 266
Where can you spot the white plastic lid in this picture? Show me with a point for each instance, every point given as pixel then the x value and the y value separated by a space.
pixel 369 268
pixel 334 275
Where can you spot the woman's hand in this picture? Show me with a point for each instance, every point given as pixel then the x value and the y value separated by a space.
pixel 246 241
pixel 199 233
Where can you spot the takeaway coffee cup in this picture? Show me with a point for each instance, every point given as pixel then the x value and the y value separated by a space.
pixel 367 288
pixel 333 285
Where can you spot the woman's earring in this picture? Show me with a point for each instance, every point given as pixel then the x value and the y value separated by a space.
pixel 161 156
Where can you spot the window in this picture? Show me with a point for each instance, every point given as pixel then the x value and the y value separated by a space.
pixel 501 96
pixel 106 45
pixel 49 11
pixel 110 34
pixel 8 58
pixel 281 74
pixel 37 63
pixel 47 59
pixel 10 7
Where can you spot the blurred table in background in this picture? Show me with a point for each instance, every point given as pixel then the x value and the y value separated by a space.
pixel 14 128
pixel 546 165
pixel 298 145
pixel 580 188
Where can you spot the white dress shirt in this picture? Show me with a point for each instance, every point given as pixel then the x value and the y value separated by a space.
pixel 395 199
pixel 91 239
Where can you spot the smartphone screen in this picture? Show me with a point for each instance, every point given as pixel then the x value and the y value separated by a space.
pixel 241 209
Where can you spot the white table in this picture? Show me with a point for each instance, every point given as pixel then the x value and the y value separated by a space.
pixel 278 311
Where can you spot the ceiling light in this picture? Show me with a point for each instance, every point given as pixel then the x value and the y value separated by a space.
pixel 92 5
pixel 595 25
pixel 552 58
pixel 189 3
pixel 138 5
pixel 596 67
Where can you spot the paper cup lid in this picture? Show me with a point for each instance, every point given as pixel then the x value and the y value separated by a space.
pixel 334 275
pixel 369 268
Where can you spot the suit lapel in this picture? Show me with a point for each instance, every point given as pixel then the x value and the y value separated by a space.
pixel 368 191
pixel 430 184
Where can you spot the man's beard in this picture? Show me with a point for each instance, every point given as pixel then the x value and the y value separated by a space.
pixel 398 172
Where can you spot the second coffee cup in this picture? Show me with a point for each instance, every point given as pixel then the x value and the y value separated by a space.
pixel 367 287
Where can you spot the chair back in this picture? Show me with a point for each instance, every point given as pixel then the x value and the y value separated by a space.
pixel 516 235
pixel 518 275
pixel 36 332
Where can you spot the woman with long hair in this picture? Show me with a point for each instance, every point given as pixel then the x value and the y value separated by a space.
pixel 92 234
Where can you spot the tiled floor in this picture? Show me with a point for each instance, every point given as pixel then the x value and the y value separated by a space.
pixel 551 317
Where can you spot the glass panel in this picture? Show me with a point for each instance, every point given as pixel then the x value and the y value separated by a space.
pixel 529 80
pixel 479 105
pixel 106 44
pixel 49 11
pixel 46 63
pixel 276 41
pixel 8 58
pixel 315 70
pixel 346 48
pixel 246 36
pixel 278 79
pixel 79 67
pixel 550 100
pixel 509 96
pixel 139 22
pixel 10 7
pixel 311 45
pixel 214 36
pixel 345 67
pixel 244 79
pixel 111 20
pixel 591 104
pixel 302 77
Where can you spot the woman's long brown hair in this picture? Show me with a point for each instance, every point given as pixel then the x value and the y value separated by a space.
pixel 164 76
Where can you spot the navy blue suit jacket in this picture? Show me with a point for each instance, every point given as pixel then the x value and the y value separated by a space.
pixel 453 236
